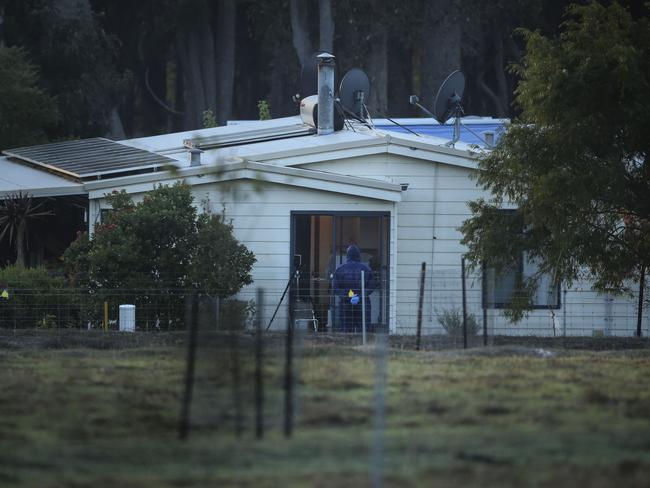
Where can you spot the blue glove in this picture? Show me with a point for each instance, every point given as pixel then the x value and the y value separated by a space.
pixel 354 300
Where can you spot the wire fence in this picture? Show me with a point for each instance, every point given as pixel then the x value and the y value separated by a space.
pixel 441 309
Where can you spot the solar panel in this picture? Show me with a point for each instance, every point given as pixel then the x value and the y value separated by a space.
pixel 89 157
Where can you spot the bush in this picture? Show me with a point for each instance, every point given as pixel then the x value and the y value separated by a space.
pixel 156 254
pixel 451 320
pixel 35 299
pixel 236 314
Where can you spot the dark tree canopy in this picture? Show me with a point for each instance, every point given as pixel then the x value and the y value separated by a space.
pixel 26 110
pixel 575 163
pixel 123 68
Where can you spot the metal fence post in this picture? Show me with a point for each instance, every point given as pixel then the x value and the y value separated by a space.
pixel 462 267
pixel 184 426
pixel 420 306
pixel 363 306
pixel 259 378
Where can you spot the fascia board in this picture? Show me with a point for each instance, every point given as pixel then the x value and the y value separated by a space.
pixel 392 195
pixel 321 175
pixel 50 192
pixel 317 184
pixel 202 175
pixel 434 157
pixel 322 151
pixel 330 156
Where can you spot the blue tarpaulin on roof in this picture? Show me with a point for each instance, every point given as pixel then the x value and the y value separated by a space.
pixel 447 131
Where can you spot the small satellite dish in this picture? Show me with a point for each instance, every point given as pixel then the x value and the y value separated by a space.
pixel 447 103
pixel 354 91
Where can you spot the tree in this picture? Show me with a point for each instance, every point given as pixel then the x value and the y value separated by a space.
pixel 575 164
pixel 158 250
pixel 75 57
pixel 26 110
pixel 220 264
pixel 17 211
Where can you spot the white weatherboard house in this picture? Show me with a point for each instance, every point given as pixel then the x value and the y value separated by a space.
pixel 296 197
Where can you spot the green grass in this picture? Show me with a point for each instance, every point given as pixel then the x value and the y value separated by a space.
pixel 104 413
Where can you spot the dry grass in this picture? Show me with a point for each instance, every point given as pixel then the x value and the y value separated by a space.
pixel 104 413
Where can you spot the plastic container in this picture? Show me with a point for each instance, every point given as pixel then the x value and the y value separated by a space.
pixel 127 318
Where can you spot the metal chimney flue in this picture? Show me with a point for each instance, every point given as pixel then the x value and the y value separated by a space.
pixel 325 94
pixel 195 156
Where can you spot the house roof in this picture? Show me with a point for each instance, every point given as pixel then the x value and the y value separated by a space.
pixel 15 177
pixel 285 142
pixel 472 129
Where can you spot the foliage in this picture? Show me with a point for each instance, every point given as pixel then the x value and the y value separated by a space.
pixel 36 298
pixel 16 213
pixel 26 110
pixel 220 264
pixel 158 250
pixel 264 109
pixel 209 119
pixel 451 319
pixel 236 314
pixel 575 164
pixel 76 57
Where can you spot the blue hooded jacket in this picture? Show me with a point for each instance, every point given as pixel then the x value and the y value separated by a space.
pixel 348 276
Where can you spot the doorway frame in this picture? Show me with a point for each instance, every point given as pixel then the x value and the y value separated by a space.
pixel 334 214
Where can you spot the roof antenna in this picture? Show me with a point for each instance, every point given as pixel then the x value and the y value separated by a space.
pixel 448 103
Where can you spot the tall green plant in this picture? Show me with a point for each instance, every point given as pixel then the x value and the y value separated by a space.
pixel 17 211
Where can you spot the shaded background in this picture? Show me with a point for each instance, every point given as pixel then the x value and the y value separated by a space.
pixel 121 68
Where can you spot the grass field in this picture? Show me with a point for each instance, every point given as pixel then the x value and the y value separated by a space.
pixel 101 411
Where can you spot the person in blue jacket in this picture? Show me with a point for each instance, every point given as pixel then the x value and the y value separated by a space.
pixel 347 286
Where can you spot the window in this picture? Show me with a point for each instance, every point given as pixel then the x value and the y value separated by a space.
pixel 500 288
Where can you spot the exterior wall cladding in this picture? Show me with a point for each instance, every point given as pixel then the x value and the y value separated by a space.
pixel 435 204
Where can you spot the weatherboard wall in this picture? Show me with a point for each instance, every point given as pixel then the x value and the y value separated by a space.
pixel 260 213
pixel 435 204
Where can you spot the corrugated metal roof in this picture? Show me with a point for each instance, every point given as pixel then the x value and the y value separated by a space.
pixel 89 157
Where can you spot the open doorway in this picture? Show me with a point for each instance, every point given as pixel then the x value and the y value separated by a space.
pixel 319 244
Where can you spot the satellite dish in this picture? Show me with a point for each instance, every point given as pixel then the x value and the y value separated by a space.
pixel 447 103
pixel 354 91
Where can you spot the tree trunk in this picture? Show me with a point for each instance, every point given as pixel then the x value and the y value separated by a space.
pixel 300 30
pixel 116 128
pixel 226 59
pixel 326 26
pixel 20 244
pixel 500 75
pixel 281 91
pixel 198 62
pixel 490 93
pixel 378 70
pixel 441 55
pixel 639 314
pixel 400 83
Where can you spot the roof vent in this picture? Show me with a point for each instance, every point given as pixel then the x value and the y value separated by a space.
pixel 488 135
pixel 195 156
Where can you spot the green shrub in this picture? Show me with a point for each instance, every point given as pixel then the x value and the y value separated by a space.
pixel 236 314
pixel 36 298
pixel 451 320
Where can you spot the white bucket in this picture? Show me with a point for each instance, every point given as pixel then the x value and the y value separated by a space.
pixel 127 318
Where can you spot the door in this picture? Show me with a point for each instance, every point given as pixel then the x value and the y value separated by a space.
pixel 319 244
